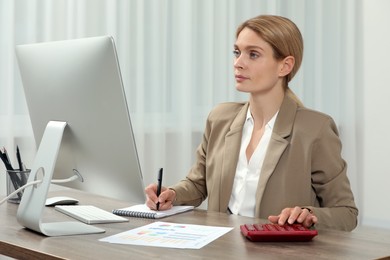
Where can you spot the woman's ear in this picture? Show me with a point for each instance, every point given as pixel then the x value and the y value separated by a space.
pixel 287 65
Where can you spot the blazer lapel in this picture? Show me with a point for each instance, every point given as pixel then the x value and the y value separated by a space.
pixel 277 145
pixel 230 157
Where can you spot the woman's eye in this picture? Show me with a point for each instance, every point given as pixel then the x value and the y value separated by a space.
pixel 236 53
pixel 253 55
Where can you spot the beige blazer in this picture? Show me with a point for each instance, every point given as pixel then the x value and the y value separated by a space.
pixel 303 166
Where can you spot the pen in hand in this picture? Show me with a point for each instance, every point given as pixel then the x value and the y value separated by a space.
pixel 159 183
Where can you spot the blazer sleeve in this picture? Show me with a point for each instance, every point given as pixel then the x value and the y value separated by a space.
pixel 330 182
pixel 193 189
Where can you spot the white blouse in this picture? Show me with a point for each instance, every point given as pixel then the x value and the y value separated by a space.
pixel 243 199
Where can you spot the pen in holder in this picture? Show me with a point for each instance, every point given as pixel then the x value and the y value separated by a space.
pixel 15 180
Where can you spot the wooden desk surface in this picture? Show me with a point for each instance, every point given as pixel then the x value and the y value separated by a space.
pixel 20 243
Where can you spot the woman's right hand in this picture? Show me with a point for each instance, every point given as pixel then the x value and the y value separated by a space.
pixel 165 200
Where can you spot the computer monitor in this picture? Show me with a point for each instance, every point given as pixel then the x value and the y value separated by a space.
pixel 79 82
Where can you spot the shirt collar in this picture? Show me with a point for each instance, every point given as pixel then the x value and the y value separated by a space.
pixel 270 123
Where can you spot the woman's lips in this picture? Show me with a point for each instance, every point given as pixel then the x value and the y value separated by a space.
pixel 240 78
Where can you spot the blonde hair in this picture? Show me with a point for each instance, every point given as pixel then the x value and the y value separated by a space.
pixel 283 36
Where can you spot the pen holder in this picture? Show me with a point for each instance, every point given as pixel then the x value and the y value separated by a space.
pixel 15 180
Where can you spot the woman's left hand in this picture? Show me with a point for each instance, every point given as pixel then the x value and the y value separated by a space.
pixel 297 214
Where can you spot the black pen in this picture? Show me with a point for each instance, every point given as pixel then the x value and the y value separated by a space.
pixel 6 155
pixel 5 159
pixel 19 159
pixel 21 167
pixel 159 183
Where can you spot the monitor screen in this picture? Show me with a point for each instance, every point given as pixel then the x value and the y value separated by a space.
pixel 79 82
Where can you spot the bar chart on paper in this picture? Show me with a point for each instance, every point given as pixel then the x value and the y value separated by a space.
pixel 173 235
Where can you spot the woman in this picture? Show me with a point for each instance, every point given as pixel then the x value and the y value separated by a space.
pixel 270 157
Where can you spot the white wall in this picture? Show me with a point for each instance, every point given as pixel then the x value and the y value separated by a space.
pixel 375 119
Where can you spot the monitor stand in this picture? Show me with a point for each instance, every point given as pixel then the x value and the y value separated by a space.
pixel 31 207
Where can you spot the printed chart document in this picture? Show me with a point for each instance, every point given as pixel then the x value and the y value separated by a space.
pixel 172 235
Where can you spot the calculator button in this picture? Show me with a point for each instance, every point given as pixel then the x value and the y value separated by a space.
pixel 250 227
pixel 271 227
pixel 301 228
pixel 258 227
pixel 281 228
pixel 289 228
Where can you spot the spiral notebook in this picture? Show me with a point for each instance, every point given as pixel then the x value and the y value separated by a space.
pixel 143 211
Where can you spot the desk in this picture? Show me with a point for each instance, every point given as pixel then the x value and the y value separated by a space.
pixel 20 243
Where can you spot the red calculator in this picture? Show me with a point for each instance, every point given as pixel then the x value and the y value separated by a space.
pixel 276 233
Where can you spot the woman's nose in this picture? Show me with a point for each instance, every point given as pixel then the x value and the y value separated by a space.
pixel 238 62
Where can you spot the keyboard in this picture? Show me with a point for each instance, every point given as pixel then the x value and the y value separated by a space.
pixel 90 214
pixel 276 233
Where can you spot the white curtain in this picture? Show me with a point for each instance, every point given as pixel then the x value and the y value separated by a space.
pixel 176 62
